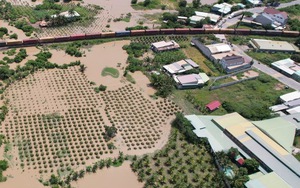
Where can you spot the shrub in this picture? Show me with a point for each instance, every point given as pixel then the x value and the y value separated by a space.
pixel 13 36
pixel 133 1
pixel 102 87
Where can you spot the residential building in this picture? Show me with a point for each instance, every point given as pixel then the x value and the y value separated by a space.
pixel 67 14
pixel 276 15
pixel 223 8
pixel 222 54
pixel 288 67
pixel 272 46
pixel 164 46
pixel 190 80
pixel 234 63
pixel 255 2
pixel 273 17
pixel 202 15
pixel 180 66
pixel 262 141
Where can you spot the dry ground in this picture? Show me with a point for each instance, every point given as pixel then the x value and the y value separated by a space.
pixel 56 120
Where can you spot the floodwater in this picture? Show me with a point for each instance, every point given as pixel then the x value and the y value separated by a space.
pixel 11 30
pixel 113 177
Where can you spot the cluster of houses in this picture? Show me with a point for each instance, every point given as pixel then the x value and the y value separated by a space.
pixel 270 142
pixel 178 70
pixel 272 17
pixel 290 104
pixel 224 55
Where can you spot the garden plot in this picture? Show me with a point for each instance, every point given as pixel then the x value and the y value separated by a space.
pixel 54 119
pixel 141 123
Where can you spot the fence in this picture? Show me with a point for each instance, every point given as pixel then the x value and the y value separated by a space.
pixel 231 83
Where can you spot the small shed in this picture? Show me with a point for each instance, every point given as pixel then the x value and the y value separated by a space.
pixel 213 105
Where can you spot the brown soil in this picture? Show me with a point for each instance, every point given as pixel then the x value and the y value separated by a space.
pixel 114 177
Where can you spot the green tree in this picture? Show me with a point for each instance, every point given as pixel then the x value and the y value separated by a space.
pixel 182 3
pixel 251 165
pixel 196 3
pixel 163 84
pixel 146 3
pixel 233 152
pixel 3 165
pixel 82 68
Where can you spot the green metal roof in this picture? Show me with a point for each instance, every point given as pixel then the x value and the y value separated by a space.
pixel 280 130
pixel 271 180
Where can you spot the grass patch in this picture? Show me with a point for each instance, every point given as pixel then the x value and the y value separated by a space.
pixel 251 99
pixel 110 71
pixel 268 58
pixel 130 79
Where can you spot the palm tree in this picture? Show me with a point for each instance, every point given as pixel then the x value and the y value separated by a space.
pixel 82 68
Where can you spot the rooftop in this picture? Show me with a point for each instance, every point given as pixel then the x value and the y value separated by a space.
pixel 191 79
pixel 213 105
pixel 274 129
pixel 287 65
pixel 270 10
pixel 290 96
pixel 232 60
pixel 263 44
pixel 218 48
pixel 180 66
pixel 270 180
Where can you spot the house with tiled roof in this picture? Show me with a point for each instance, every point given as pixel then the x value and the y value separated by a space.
pixel 273 17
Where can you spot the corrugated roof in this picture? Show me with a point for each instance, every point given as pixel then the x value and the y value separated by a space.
pixel 263 44
pixel 290 96
pixel 213 105
pixel 274 129
pixel 294 110
pixel 271 180
pixel 204 77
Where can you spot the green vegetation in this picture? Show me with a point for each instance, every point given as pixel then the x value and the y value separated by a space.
pixel 20 56
pixel 163 84
pixel 294 15
pixel 109 133
pixel 268 58
pixel 167 57
pixel 110 71
pixel 73 49
pixel 183 162
pixel 3 31
pixel 138 27
pixel 244 40
pixel 257 95
pixel 135 49
pixel 146 4
pixel 24 26
pixel 123 18
pixel 3 167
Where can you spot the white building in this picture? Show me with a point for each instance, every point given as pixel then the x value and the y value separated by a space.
pixel 190 80
pixel 164 46
pixel 180 66
pixel 223 8
pixel 290 96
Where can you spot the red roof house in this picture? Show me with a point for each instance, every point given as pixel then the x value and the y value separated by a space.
pixel 213 105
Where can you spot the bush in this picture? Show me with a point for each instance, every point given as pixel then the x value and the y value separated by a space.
pixel 133 1
pixel 146 3
pixel 3 165
pixel 296 57
pixel 3 30
pixel 13 36
pixel 182 3
pixel 102 87
pixel 163 83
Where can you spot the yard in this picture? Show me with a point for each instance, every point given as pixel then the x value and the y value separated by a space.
pixel 268 58
pixel 257 95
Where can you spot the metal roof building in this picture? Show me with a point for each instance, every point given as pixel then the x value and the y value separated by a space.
pixel 271 180
pixel 232 130
pixel 218 48
pixel 275 127
pixel 286 66
pixel 190 80
pixel 290 96
pixel 180 66
pixel 261 147
pixel 272 46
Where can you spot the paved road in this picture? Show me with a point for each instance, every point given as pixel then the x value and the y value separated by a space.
pixel 232 21
pixel 268 70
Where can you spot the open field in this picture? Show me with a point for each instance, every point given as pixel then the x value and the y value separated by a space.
pixel 268 58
